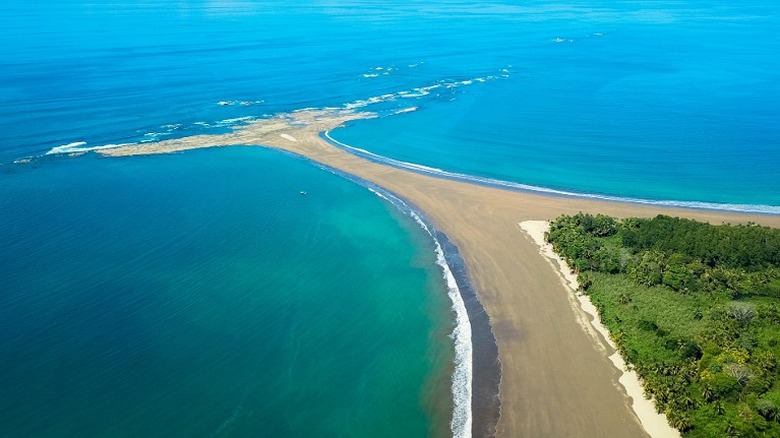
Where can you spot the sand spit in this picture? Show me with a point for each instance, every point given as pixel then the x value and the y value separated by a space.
pixel 288 127
pixel 556 381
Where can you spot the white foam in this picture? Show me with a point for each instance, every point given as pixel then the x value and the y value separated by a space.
pixel 463 373
pixel 510 185
pixel 418 91
pixel 236 120
pixel 76 147
pixel 406 110
pixel 372 75
pixel 240 102
pixel 65 147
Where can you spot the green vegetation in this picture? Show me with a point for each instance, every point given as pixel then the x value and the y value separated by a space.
pixel 693 308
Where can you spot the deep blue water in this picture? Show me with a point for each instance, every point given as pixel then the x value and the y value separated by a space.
pixel 661 100
pixel 654 100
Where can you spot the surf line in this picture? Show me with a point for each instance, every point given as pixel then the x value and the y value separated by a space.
pixel 527 188
pixel 476 377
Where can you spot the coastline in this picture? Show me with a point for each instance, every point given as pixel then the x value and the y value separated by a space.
pixel 476 376
pixel 543 349
pixel 656 424
pixel 526 188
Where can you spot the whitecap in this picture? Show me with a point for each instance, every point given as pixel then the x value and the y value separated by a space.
pixel 418 91
pixel 236 120
pixel 76 147
pixel 240 102
pixel 418 94
pixel 406 110
pixel 65 147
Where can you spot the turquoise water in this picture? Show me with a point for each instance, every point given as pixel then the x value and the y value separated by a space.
pixel 147 291
pixel 654 100
pixel 202 295
pixel 659 100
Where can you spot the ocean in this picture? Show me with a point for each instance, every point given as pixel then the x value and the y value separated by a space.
pixel 201 294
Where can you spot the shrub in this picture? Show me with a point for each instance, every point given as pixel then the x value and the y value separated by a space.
pixel 768 409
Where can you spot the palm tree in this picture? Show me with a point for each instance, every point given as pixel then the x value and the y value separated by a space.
pixel 679 420
pixel 768 410
pixel 706 392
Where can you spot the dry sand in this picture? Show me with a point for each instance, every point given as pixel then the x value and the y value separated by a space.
pixel 655 424
pixel 557 378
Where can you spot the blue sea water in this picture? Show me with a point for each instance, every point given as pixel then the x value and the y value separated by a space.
pixel 660 100
pixel 656 100
pixel 203 295
pixel 673 101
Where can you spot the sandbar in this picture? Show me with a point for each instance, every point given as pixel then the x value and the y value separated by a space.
pixel 557 378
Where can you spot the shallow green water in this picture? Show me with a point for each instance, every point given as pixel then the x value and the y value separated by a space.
pixel 201 294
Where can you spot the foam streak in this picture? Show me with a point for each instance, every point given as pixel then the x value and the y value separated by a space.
pixel 463 373
pixel 462 376
pixel 509 185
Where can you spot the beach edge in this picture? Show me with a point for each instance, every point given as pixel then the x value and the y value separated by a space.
pixel 654 423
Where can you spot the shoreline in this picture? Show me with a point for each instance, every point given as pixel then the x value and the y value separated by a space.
pixel 543 349
pixel 751 209
pixel 656 424
pixel 479 415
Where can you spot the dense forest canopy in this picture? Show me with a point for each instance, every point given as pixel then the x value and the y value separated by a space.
pixel 693 307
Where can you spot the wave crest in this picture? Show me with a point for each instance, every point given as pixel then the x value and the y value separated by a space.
pixel 462 375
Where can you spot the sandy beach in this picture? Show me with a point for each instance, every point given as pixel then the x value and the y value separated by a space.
pixel 557 376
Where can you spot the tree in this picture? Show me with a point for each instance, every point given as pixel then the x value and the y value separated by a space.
pixel 768 409
pixel 648 269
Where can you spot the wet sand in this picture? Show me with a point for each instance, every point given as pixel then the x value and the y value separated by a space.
pixel 557 379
